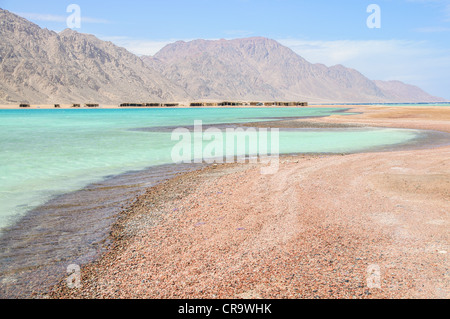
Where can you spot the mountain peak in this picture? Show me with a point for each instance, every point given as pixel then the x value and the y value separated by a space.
pixel 68 32
pixel 10 22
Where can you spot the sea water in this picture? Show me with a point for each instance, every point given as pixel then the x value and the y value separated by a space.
pixel 45 153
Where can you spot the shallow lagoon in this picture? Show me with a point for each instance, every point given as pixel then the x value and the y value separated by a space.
pixel 45 153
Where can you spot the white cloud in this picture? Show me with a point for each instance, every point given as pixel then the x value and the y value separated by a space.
pixel 42 17
pixel 349 51
pixel 94 20
pixel 58 18
pixel 432 29
pixel 137 46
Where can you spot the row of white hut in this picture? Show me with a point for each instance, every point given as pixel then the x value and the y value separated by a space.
pixel 209 104
pixel 193 104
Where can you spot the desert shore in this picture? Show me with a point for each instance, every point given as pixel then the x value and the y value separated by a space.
pixel 315 229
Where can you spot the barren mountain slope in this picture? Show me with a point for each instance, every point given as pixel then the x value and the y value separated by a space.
pixel 41 66
pixel 260 68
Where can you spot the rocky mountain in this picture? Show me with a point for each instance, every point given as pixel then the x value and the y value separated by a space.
pixel 398 91
pixel 262 69
pixel 45 67
pixel 41 66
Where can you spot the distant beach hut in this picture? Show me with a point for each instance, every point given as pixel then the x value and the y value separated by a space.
pixel 132 105
pixel 288 103
pixel 226 103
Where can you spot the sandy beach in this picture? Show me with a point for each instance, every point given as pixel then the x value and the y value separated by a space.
pixel 418 117
pixel 315 229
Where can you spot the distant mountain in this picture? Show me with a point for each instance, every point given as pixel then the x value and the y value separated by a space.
pixel 41 66
pixel 398 91
pixel 262 69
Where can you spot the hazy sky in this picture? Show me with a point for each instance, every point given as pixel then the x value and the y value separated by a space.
pixel 412 45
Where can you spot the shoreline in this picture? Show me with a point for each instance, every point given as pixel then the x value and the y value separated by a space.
pixel 316 122
pixel 33 223
pixel 76 237
pixel 110 107
pixel 183 105
pixel 106 277
pixel 37 216
pixel 418 117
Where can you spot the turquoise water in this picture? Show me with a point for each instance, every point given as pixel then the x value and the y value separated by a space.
pixel 50 152
pixel 434 104
pixel 445 104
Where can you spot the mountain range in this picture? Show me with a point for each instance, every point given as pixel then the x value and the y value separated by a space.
pixel 40 66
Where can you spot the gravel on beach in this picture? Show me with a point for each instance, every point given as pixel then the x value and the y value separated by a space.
pixel 321 227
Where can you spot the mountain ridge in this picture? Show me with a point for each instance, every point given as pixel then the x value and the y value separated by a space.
pixel 274 72
pixel 41 66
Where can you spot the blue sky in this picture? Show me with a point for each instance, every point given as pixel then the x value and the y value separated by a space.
pixel 412 45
